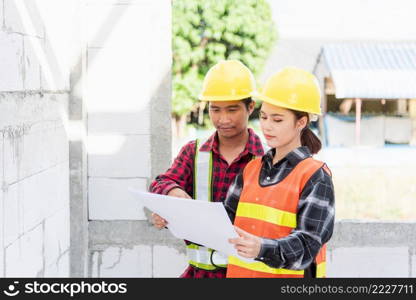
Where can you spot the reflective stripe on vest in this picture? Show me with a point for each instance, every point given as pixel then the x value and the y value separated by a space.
pixel 320 261
pixel 267 214
pixel 261 267
pixel 321 270
pixel 202 174
pixel 200 256
pixel 261 212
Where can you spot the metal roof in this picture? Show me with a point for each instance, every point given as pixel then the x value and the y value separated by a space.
pixel 372 70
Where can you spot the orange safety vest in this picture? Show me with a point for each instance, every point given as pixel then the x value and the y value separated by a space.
pixel 270 212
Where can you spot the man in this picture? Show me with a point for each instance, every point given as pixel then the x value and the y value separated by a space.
pixel 204 170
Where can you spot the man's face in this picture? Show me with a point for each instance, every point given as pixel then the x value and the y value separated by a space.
pixel 230 118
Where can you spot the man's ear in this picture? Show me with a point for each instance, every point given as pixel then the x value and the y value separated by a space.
pixel 251 107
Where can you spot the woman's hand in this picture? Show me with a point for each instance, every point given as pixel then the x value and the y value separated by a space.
pixel 247 245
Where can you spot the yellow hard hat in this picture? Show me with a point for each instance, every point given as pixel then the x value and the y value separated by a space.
pixel 226 81
pixel 292 88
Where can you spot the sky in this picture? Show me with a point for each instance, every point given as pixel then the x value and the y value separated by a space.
pixel 345 19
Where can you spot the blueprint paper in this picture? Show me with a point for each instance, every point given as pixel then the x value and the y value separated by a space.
pixel 201 222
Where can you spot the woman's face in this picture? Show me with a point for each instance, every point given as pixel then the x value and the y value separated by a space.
pixel 279 126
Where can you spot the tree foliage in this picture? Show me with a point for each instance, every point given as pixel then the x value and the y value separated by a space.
pixel 206 31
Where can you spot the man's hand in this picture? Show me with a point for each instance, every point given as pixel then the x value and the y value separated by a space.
pixel 247 245
pixel 180 193
pixel 158 221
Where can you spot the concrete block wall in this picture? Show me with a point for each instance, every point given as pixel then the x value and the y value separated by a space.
pixel 128 71
pixel 35 186
pixel 129 133
pixel 357 249
pixel 372 249
pixel 34 171
pixel 134 249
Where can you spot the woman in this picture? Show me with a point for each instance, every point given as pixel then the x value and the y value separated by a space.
pixel 282 205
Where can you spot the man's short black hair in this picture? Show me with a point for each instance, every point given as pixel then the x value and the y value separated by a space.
pixel 247 102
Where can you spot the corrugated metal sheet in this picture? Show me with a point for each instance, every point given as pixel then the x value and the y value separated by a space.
pixel 372 70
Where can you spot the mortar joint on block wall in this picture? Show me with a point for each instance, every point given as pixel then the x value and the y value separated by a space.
pixel 60 256
pixel 120 253
pixel 3 26
pixel 15 132
pixel 99 263
pixel 40 273
pixel 4 187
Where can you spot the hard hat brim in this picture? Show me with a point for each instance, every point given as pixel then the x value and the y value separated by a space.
pixel 224 98
pixel 275 102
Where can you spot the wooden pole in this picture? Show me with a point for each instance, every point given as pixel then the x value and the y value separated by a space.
pixel 412 113
pixel 345 106
pixel 358 103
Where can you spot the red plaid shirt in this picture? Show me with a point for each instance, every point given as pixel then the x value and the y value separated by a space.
pixel 181 173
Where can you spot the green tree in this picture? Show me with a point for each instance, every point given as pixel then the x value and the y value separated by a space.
pixel 206 31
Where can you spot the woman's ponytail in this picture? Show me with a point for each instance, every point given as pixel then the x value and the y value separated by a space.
pixel 309 139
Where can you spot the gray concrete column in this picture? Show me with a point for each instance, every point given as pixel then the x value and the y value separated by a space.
pixel 77 152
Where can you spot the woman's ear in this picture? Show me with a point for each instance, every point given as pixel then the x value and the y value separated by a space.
pixel 302 123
